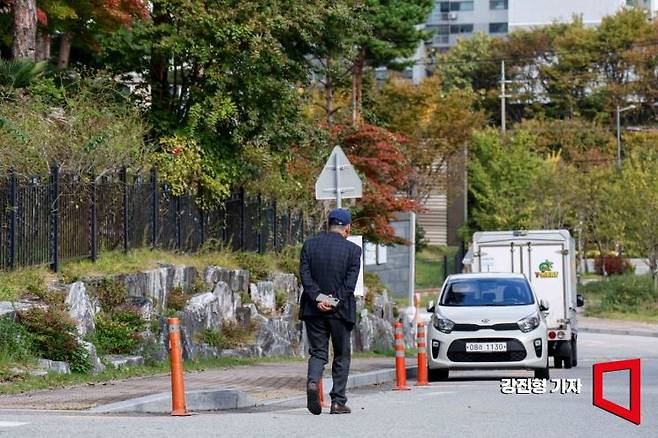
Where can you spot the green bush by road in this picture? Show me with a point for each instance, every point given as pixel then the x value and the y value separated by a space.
pixel 622 297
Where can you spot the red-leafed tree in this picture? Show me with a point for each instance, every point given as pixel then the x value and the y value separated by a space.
pixel 377 154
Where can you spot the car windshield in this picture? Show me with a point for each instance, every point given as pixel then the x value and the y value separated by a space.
pixel 487 292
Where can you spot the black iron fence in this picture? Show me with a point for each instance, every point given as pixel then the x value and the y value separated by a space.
pixel 45 220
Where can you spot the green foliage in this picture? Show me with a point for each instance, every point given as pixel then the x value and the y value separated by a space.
pixel 258 265
pixel 281 299
pixel 33 281
pixel 287 259
pixel 119 332
pixel 19 73
pixel 15 341
pixel 629 296
pixel 54 336
pixel 231 335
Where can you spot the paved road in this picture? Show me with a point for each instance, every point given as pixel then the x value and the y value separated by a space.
pixel 468 405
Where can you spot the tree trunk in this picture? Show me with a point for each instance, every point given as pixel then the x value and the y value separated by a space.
pixel 329 94
pixel 357 88
pixel 25 30
pixel 64 51
pixel 159 66
pixel 43 47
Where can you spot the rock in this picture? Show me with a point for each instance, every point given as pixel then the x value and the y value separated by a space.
pixel 21 372
pixel 243 317
pixel 382 306
pixel 239 352
pixel 183 277
pixel 11 307
pixel 81 308
pixel 123 361
pixel 213 274
pixel 96 363
pixel 262 295
pixel 54 366
pixel 372 333
pixel 201 313
pixel 239 280
pixel 278 336
pixel 144 307
pixel 226 300
pixel 287 283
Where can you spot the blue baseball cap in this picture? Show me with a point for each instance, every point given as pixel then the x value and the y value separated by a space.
pixel 340 216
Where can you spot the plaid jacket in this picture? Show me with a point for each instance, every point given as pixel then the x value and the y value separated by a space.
pixel 329 264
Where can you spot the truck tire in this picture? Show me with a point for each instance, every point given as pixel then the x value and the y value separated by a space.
pixel 435 375
pixel 565 351
pixel 574 351
pixel 557 361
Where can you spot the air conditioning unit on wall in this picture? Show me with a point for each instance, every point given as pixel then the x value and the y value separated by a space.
pixel 452 15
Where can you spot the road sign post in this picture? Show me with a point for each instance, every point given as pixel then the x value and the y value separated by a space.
pixel 338 179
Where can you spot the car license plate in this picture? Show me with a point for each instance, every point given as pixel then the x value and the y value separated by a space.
pixel 486 347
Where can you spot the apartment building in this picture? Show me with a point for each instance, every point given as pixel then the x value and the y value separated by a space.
pixel 452 20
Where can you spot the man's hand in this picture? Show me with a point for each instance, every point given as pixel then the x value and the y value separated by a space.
pixel 325 306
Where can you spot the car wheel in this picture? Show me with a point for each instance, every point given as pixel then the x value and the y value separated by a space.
pixel 434 375
pixel 542 373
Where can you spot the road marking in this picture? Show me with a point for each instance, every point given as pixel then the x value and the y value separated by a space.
pixel 11 423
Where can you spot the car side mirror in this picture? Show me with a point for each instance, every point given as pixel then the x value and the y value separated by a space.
pixel 580 300
pixel 430 306
pixel 543 305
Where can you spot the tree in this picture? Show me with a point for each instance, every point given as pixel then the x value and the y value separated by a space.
pixel 393 35
pixel 437 125
pixel 25 29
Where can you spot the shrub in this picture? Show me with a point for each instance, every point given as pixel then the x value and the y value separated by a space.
pixel 54 337
pixel 614 265
pixel 288 259
pixel 15 341
pixel 231 335
pixel 281 299
pixel 111 294
pixel 118 332
pixel 624 294
pixel 177 299
pixel 256 264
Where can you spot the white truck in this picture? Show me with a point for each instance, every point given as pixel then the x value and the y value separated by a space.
pixel 548 260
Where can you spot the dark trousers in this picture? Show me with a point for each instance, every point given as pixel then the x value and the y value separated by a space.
pixel 318 331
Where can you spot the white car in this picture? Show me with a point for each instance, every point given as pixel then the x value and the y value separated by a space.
pixel 487 321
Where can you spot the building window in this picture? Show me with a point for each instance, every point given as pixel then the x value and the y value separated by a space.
pixel 444 6
pixel 461 6
pixel 461 28
pixel 498 5
pixel 497 27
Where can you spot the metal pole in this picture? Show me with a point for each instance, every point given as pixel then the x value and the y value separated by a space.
pixel 13 200
pixel 94 220
pixel 124 183
pixel 155 198
pixel 503 116
pixel 54 216
pixel 618 137
pixel 412 257
pixel 338 189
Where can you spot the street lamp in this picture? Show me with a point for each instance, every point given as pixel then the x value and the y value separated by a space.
pixel 619 111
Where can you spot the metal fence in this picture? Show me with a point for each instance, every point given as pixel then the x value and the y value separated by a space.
pixel 45 220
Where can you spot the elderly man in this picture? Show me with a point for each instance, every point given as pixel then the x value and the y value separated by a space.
pixel 329 268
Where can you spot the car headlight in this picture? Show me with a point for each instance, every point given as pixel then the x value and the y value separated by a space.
pixel 529 323
pixel 442 324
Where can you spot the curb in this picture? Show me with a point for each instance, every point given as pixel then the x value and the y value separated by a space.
pixel 226 399
pixel 625 332
pixel 202 400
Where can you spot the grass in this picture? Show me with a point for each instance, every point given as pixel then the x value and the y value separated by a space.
pixel 627 297
pixel 14 284
pixel 429 266
pixel 52 381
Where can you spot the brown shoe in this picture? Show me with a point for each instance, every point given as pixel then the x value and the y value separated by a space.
pixel 337 408
pixel 313 399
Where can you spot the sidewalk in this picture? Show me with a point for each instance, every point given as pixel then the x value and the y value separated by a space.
pixel 261 382
pixel 616 327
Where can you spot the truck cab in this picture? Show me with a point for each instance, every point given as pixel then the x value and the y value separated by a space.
pixel 548 260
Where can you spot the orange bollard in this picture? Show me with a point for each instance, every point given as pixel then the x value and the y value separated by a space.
pixel 321 392
pixel 400 365
pixel 421 343
pixel 178 408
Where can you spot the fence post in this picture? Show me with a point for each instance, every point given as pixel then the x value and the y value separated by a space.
pixel 93 225
pixel 202 216
pixel 260 226
pixel 243 208
pixel 178 223
pixel 301 225
pixel 54 217
pixel 445 267
pixel 274 224
pixel 124 182
pixel 13 201
pixel 155 199
pixel 289 231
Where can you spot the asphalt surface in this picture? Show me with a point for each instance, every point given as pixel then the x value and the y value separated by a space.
pixel 470 404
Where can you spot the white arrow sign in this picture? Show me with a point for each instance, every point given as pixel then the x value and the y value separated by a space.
pixel 338 179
